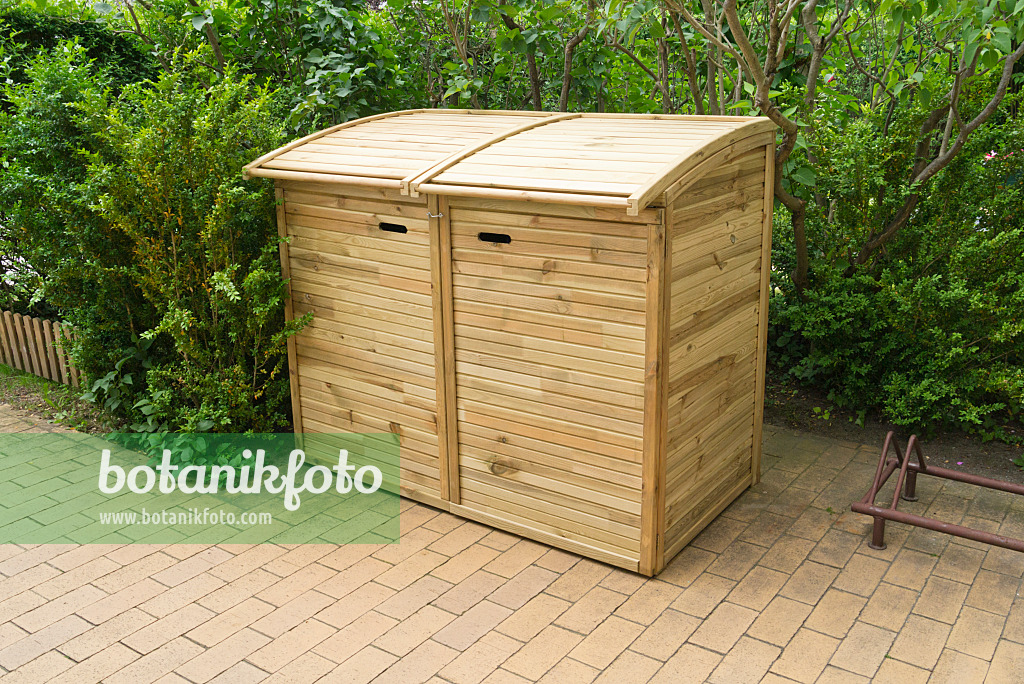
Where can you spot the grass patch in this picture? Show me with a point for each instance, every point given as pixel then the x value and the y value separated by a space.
pixel 52 401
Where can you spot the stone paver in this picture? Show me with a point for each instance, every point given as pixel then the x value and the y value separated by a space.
pixel 781 587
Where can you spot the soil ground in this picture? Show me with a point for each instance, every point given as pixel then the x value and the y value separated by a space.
pixel 787 404
pixel 54 403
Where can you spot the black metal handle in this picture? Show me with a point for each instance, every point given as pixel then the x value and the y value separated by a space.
pixel 496 238
pixel 393 227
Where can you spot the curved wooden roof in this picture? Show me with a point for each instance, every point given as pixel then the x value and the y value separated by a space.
pixel 619 160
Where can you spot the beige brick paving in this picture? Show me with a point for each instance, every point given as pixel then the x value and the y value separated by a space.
pixel 782 587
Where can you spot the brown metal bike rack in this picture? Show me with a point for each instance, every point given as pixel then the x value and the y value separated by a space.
pixel 907 481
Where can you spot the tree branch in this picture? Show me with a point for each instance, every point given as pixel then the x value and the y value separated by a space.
pixel 211 38
pixel 691 67
pixel 570 48
pixel 531 63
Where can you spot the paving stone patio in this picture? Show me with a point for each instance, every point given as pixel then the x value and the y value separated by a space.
pixel 781 587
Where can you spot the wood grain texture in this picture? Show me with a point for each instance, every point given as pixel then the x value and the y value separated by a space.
pixel 719 238
pixel 762 317
pixel 571 350
pixel 600 160
pixel 369 361
pixel 411 183
pixel 550 375
pixel 289 314
pixel 442 237
pixel 659 268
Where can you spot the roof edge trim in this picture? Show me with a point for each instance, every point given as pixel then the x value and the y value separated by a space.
pixel 686 163
pixel 722 156
pixel 248 169
pixel 543 196
pixel 312 177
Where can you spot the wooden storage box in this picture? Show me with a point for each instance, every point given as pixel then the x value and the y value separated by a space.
pixel 562 315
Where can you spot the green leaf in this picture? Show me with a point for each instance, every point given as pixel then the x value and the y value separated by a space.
pixel 805 176
pixel 549 13
pixel 969 50
pixel 201 20
pixel 481 13
pixel 103 7
pixel 1002 39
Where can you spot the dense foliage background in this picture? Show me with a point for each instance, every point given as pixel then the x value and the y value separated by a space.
pixel 898 282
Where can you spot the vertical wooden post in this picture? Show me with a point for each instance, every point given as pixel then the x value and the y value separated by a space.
pixel 14 332
pixel 5 345
pixel 286 273
pixel 23 346
pixel 39 341
pixel 51 352
pixel 439 212
pixel 77 377
pixel 652 511
pixel 762 311
pixel 63 365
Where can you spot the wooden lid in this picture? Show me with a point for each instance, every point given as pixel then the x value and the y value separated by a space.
pixel 620 160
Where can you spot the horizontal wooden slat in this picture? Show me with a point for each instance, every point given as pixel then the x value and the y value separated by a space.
pixel 490 493
pixel 599 466
pixel 325 302
pixel 550 210
pixel 355 358
pixel 584 383
pixel 348 192
pixel 622 476
pixel 557 226
pixel 564 350
pixel 619 507
pixel 372 383
pixel 628 334
pixel 329 263
pixel 304 280
pixel 565 273
pixel 545 411
pixel 379 343
pixel 509 421
pixel 523 376
pixel 552 301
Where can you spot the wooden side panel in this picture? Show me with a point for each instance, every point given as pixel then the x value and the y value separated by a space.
pixel 652 539
pixel 718 240
pixel 360 260
pixel 549 319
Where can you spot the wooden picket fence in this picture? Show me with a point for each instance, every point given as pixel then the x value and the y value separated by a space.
pixel 36 346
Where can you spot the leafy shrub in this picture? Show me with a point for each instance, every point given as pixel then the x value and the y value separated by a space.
pixel 145 237
pixel 59 253
pixel 933 336
pixel 25 33
pixel 329 63
pixel 202 249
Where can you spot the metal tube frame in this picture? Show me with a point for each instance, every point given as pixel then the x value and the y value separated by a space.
pixel 907 482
